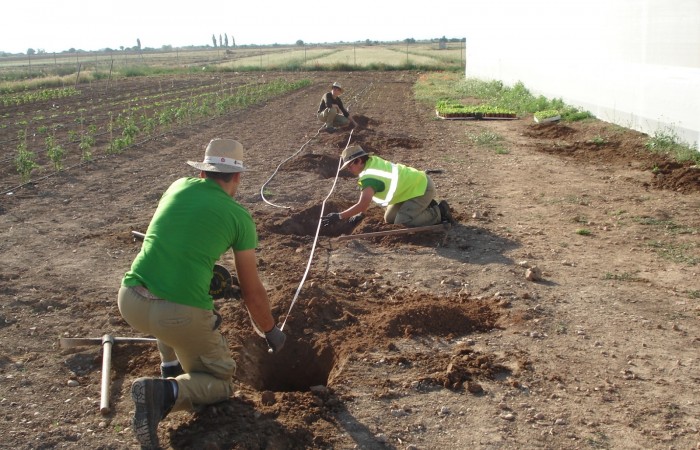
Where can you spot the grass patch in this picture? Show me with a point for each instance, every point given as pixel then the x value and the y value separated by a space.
pixel 598 440
pixel 598 140
pixel 666 142
pixel 490 140
pixel 624 276
pixel 675 252
pixel 668 225
pixel 584 232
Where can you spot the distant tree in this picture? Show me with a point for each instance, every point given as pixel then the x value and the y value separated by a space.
pixel 300 43
pixel 233 41
pixel 30 51
pixel 167 48
pixel 221 42
pixel 410 40
pixel 121 47
pixel 213 39
pixel 226 40
pixel 138 43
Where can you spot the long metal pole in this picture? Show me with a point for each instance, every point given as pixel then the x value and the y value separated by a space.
pixel 444 226
pixel 107 342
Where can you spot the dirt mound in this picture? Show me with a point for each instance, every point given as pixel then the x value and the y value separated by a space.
pixel 676 177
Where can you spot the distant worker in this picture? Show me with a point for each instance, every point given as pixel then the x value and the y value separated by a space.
pixel 407 193
pixel 331 110
pixel 166 291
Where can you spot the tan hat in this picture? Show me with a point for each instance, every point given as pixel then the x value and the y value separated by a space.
pixel 337 85
pixel 221 155
pixel 352 153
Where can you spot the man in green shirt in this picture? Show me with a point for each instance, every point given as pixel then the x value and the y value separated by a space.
pixel 166 291
pixel 407 193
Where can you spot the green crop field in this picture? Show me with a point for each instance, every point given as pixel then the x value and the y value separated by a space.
pixel 21 72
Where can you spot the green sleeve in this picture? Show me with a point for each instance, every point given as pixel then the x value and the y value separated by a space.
pixel 375 184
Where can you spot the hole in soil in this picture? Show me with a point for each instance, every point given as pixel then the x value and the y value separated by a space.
pixel 297 367
pixel 305 222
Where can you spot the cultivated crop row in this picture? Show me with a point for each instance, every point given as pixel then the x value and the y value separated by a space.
pixel 78 132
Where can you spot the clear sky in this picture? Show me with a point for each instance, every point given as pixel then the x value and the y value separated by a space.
pixel 58 25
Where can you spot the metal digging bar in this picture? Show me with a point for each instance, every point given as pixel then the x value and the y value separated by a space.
pixel 445 226
pixel 107 342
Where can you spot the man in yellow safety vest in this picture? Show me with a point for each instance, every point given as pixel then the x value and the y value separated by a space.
pixel 407 193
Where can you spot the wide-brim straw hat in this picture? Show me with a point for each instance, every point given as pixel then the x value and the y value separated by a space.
pixel 352 153
pixel 221 155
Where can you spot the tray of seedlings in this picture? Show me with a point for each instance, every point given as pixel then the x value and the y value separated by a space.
pixel 451 110
pixel 547 116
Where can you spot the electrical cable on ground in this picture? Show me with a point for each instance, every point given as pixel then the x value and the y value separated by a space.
pixel 262 188
pixel 318 229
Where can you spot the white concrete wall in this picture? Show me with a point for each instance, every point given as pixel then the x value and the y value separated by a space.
pixel 635 63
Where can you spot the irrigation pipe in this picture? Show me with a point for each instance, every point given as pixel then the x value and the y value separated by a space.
pixel 313 246
pixel 262 188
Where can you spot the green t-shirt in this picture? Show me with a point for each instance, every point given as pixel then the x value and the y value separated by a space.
pixel 195 223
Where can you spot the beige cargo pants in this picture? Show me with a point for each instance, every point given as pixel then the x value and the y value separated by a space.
pixel 189 334
pixel 416 212
pixel 332 118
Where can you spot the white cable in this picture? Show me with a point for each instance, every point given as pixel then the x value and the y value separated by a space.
pixel 318 229
pixel 262 189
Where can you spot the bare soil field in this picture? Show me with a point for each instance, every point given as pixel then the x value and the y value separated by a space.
pixel 409 341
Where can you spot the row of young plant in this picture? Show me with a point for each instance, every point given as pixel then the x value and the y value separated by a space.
pixel 92 109
pixel 125 127
pixel 20 98
pixel 150 113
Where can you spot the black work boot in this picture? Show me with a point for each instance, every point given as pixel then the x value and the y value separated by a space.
pixel 153 399
pixel 445 213
pixel 171 371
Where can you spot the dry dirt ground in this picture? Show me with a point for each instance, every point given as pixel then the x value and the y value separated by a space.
pixel 411 341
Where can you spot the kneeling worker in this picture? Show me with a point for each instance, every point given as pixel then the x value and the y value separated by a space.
pixel 407 193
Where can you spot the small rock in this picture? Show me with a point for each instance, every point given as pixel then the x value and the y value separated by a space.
pixel 73 383
pixel 507 416
pixel 534 273
pixel 475 388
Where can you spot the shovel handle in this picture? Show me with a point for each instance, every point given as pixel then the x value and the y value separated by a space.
pixel 107 343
